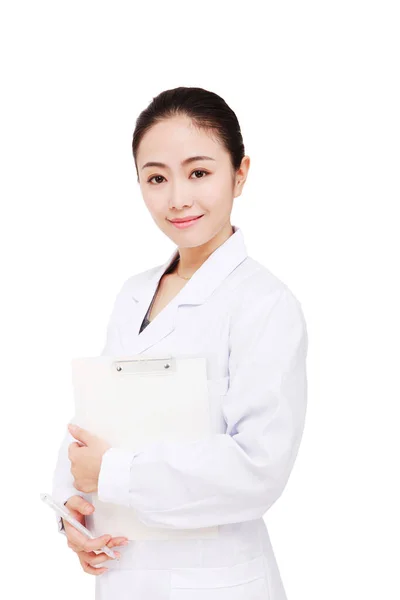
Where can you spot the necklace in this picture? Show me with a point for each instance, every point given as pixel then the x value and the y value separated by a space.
pixel 181 276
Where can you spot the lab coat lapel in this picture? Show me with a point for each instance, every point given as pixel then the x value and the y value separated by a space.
pixel 196 291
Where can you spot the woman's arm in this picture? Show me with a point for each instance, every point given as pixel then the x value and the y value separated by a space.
pixel 62 486
pixel 62 483
pixel 235 476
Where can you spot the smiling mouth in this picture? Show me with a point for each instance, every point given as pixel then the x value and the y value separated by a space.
pixel 186 220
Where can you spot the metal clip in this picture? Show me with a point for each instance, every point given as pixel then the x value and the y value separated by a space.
pixel 145 366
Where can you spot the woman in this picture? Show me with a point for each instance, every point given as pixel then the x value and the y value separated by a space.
pixel 209 298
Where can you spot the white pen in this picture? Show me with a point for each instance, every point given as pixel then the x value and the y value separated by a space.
pixel 65 514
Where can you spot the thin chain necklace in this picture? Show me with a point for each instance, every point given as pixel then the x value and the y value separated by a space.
pixel 181 276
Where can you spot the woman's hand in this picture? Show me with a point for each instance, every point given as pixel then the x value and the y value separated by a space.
pixel 83 546
pixel 86 458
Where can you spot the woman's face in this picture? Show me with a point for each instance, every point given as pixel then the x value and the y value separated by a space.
pixel 175 189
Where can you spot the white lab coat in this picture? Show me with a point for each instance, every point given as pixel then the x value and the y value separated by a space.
pixel 252 330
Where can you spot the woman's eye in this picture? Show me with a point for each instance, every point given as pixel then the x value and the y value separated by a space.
pixel 161 176
pixel 199 171
pixel 154 177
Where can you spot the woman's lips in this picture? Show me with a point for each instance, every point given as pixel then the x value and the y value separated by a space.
pixel 184 224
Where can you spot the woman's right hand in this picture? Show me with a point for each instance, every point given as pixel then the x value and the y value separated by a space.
pixel 83 546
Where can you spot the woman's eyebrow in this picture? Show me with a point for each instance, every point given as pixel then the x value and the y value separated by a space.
pixel 184 162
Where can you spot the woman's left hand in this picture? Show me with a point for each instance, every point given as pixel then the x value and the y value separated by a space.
pixel 86 459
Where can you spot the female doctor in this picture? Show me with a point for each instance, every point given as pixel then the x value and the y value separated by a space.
pixel 209 299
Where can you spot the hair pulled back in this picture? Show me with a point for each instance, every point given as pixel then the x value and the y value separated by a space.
pixel 207 111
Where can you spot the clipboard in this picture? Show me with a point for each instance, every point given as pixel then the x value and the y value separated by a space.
pixel 132 401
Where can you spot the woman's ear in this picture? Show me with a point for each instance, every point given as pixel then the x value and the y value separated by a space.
pixel 241 175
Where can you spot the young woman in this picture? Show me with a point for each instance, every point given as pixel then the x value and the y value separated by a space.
pixel 208 299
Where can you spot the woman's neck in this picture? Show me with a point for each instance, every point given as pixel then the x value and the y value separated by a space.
pixel 191 259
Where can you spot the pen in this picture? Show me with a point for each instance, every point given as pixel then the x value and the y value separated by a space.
pixel 65 514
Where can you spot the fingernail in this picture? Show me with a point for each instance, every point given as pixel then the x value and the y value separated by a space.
pixel 125 543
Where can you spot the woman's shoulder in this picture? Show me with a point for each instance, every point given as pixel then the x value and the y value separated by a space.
pixel 138 279
pixel 129 291
pixel 257 289
pixel 254 281
pixel 267 325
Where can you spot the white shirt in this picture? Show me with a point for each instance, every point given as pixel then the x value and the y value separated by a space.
pixel 252 330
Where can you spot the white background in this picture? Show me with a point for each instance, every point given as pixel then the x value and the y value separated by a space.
pixel 315 86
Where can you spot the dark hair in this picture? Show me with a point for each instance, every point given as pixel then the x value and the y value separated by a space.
pixel 207 111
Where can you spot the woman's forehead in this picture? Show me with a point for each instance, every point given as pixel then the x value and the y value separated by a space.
pixel 173 145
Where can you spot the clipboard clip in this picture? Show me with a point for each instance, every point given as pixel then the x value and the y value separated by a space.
pixel 143 366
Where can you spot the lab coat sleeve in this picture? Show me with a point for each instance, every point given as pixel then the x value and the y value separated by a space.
pixel 238 475
pixel 62 484
pixel 63 480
